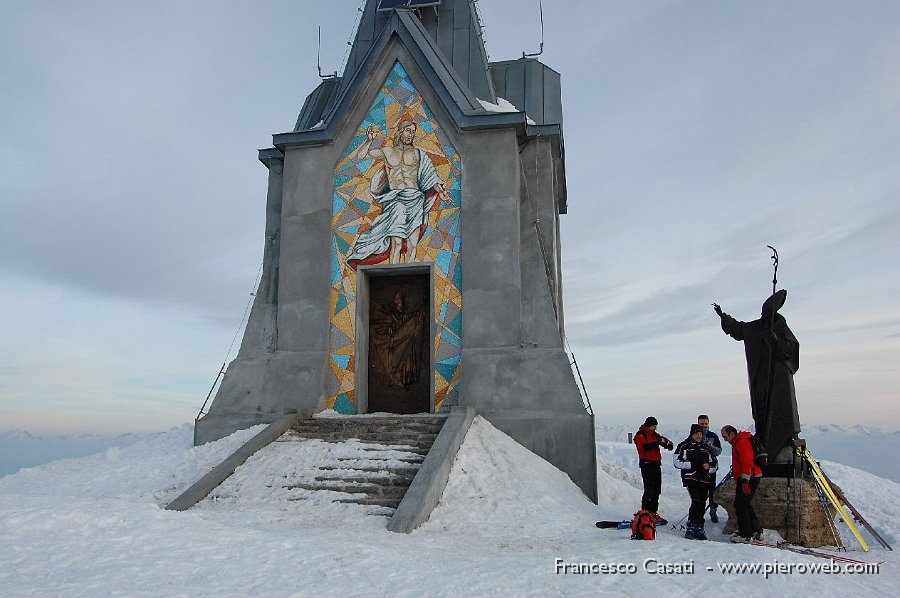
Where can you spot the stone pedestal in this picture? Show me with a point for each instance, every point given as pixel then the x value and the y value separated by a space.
pixel 789 506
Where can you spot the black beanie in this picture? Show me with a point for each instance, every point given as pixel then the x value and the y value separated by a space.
pixel 651 421
pixel 695 428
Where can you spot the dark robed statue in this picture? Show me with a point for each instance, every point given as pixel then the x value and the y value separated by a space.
pixel 773 357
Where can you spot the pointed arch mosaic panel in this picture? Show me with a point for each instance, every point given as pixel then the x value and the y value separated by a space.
pixel 396 205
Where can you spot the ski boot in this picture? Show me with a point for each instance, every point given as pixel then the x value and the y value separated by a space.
pixel 658 519
pixel 699 534
pixel 689 534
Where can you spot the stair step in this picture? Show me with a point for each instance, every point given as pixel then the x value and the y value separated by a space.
pixel 371 490
pixel 419 442
pixel 405 449
pixel 404 471
pixel 391 503
pixel 370 425
pixel 388 453
pixel 389 480
pixel 405 459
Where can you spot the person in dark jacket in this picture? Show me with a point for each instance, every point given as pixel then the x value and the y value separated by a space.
pixel 698 465
pixel 712 441
pixel 773 357
pixel 647 442
pixel 747 475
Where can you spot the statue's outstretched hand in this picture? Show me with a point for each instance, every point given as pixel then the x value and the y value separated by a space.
pixel 718 309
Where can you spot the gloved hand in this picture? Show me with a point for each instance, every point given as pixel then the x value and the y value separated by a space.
pixel 745 487
pixel 667 444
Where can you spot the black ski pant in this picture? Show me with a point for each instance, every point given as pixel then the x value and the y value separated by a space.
pixel 748 522
pixel 712 499
pixel 651 472
pixel 698 493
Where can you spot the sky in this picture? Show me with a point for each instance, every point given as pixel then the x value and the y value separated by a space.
pixel 697 133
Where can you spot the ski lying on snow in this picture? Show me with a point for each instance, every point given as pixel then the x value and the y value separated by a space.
pixel 839 558
pixel 623 524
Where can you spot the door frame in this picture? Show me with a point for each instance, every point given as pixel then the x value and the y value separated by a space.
pixel 364 274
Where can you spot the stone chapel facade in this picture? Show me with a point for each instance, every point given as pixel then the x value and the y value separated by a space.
pixel 412 251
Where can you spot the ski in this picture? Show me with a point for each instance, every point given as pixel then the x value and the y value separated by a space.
pixel 819 479
pixel 856 514
pixel 838 558
pixel 626 523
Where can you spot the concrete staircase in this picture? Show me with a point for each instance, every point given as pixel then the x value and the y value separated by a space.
pixel 388 451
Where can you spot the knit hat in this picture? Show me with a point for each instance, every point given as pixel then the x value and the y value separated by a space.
pixel 695 428
pixel 651 421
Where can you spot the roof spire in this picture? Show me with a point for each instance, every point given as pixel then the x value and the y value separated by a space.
pixel 453 26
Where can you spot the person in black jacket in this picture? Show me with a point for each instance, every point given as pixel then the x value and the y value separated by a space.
pixel 712 441
pixel 698 467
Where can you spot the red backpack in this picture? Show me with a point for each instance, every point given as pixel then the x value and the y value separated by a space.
pixel 642 526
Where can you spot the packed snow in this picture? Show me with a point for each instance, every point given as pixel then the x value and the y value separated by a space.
pixel 96 526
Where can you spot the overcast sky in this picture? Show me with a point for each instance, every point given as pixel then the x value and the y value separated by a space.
pixel 697 132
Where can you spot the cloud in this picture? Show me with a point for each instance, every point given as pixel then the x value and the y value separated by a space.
pixel 132 204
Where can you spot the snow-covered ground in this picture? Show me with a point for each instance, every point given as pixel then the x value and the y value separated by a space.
pixel 95 526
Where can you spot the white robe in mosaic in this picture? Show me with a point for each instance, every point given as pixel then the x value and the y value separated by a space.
pixel 402 211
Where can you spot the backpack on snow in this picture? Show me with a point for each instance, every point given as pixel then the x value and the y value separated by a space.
pixel 642 526
pixel 760 454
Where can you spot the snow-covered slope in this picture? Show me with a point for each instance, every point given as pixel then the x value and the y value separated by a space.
pixel 93 526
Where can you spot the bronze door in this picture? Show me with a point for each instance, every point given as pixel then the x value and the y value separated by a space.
pixel 399 344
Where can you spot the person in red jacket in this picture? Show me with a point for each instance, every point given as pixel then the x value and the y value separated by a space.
pixel 747 475
pixel 647 442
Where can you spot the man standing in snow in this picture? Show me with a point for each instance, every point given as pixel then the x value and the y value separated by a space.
pixel 747 475
pixel 712 441
pixel 773 357
pixel 647 442
pixel 695 458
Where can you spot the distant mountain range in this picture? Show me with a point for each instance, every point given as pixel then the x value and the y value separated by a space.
pixel 20 449
pixel 864 447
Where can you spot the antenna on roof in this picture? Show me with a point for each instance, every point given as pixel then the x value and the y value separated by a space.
pixel 319 59
pixel 541 50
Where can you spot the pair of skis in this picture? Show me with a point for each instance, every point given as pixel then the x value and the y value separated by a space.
pixel 838 558
pixel 838 500
pixel 856 514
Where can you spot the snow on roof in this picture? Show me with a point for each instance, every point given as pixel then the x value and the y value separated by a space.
pixel 502 105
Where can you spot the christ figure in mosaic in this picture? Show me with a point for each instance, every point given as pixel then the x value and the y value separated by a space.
pixel 407 186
